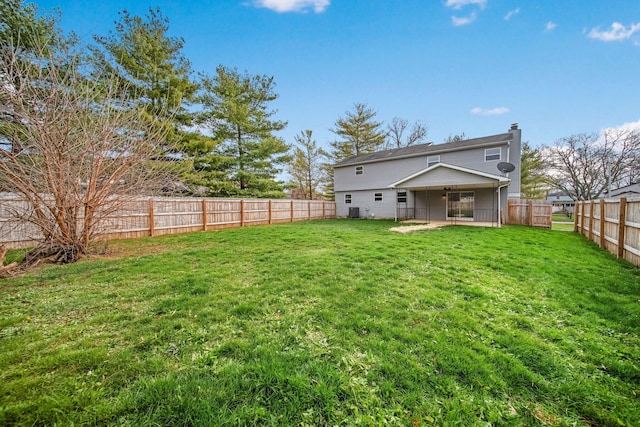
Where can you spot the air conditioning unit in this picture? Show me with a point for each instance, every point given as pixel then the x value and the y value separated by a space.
pixel 354 212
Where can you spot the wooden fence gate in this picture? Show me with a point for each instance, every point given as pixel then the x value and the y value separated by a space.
pixel 533 213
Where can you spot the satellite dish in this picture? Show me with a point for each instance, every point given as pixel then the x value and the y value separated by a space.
pixel 505 167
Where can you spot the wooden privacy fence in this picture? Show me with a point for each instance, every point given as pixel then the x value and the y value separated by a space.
pixel 614 224
pixel 159 216
pixel 534 213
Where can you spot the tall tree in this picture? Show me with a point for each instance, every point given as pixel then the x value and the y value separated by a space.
pixel 532 173
pixel 82 152
pixel 236 110
pixel 306 165
pixel 23 26
pixel 154 71
pixel 396 133
pixel 359 133
pixel 585 165
pixel 29 36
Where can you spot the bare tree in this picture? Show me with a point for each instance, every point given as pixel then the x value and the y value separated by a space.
pixel 585 165
pixel 396 131
pixel 75 150
pixel 306 166
pixel 455 138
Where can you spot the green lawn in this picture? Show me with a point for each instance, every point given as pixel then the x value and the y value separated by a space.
pixel 560 217
pixel 562 226
pixel 318 323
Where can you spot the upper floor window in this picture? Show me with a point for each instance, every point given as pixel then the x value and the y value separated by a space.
pixel 377 197
pixel 347 198
pixel 402 197
pixel 492 154
pixel 432 160
pixel 359 170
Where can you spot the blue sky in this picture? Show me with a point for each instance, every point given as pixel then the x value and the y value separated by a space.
pixel 475 66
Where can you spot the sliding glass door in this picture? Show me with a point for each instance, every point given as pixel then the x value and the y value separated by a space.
pixel 460 205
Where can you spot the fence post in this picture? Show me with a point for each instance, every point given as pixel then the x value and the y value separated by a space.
pixel 622 226
pixel 270 214
pixel 151 219
pixel 602 224
pixel 241 212
pixel 530 213
pixel 591 220
pixel 308 209
pixel 292 211
pixel 575 217
pixel 204 215
pixel 323 211
pixel 583 204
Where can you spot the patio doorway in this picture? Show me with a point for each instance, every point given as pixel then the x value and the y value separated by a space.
pixel 460 205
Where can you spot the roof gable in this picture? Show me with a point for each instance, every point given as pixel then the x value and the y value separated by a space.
pixel 446 175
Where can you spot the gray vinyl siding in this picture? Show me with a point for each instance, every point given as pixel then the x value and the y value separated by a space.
pixel 384 173
pixel 515 153
pixel 376 175
pixel 445 177
pixel 364 200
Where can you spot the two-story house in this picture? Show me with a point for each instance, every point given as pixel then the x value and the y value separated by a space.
pixel 467 180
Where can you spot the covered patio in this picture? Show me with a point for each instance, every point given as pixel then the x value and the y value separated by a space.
pixel 452 194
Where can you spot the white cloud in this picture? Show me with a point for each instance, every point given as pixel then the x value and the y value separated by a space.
pixel 550 26
pixel 615 33
pixel 626 127
pixel 282 6
pixel 511 13
pixel 459 4
pixel 489 112
pixel 463 20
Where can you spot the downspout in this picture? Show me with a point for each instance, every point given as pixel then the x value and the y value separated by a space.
pixel 502 186
pixel 499 204
pixel 395 214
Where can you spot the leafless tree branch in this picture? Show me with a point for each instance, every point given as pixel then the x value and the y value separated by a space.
pixel 76 150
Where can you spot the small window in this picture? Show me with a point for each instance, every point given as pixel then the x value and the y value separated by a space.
pixel 359 170
pixel 377 197
pixel 347 198
pixel 492 154
pixel 402 197
pixel 432 160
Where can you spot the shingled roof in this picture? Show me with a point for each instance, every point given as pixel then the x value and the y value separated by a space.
pixel 421 149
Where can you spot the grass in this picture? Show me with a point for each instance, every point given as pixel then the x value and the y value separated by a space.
pixel 327 323
pixel 560 217
pixel 561 222
pixel 562 226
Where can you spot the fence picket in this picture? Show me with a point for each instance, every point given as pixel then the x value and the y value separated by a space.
pixel 619 226
pixel 155 217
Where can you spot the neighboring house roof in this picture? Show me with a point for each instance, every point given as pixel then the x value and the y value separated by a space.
pixel 632 190
pixel 445 175
pixel 422 149
pixel 559 196
pixel 628 194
